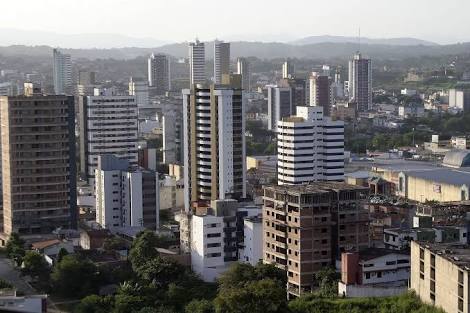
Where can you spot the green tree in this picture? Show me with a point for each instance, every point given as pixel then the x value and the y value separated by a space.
pixel 62 252
pixel 35 265
pixel 241 273
pixel 327 279
pixel 114 243
pixel 15 248
pixel 200 306
pixel 262 296
pixel 95 304
pixel 74 277
pixel 161 272
pixel 143 249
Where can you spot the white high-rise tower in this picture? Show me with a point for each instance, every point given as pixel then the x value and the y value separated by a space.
pixel 197 63
pixel 62 72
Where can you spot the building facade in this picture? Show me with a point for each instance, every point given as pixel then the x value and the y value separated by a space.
pixel 108 125
pixel 159 73
pixel 214 142
pixel 221 60
pixel 360 82
pixel 320 92
pixel 38 163
pixel 243 69
pixel 197 63
pixel 288 69
pixel 62 72
pixel 310 148
pixel 279 104
pixel 306 227
pixel 440 275
pixel 125 196
pixel 139 88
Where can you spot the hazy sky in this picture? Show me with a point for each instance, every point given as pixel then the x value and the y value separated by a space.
pixel 178 20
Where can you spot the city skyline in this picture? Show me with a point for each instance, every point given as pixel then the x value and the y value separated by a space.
pixel 377 19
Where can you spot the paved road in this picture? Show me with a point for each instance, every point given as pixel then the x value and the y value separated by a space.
pixel 10 274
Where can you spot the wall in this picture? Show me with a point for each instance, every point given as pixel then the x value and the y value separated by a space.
pixel 361 291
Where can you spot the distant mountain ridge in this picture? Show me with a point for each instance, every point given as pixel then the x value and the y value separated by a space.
pixel 9 36
pixel 401 41
pixel 262 50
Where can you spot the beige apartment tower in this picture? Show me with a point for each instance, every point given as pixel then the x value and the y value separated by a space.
pixel 307 227
pixel 38 163
pixel 214 141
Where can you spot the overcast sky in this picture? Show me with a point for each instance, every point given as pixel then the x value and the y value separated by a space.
pixel 179 20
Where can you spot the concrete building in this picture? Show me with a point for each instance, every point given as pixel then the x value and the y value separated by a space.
pixel 400 239
pixel 221 60
pixel 86 83
pixel 125 196
pixel 217 235
pixel 159 74
pixel 320 92
pixel 412 110
pixel 440 275
pixel 173 137
pixel 108 125
pixel 279 104
pixel 139 88
pixel 197 63
pixel 171 192
pixel 374 273
pixel 459 99
pixel 214 142
pixel 252 249
pixel 62 72
pixel 38 163
pixel 310 148
pixel 298 91
pixel 288 69
pixel 360 82
pixel 306 227
pixel 243 69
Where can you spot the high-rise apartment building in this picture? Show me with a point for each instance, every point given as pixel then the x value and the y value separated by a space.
pixel 173 137
pixel 38 163
pixel 288 70
pixel 139 88
pixel 310 148
pixel 108 125
pixel 62 72
pixel 159 73
pixel 243 69
pixel 214 141
pixel 125 196
pixel 306 227
pixel 320 92
pixel 197 63
pixel 279 104
pixel 298 87
pixel 221 60
pixel 360 82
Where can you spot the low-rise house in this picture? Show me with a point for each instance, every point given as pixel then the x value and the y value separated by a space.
pixel 374 273
pixel 93 239
pixel 11 302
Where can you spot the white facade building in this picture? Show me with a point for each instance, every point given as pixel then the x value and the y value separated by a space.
pixel 62 72
pixel 310 147
pixel 288 70
pixel 140 89
pixel 125 197
pixel 197 63
pixel 214 241
pixel 108 125
pixel 221 60
pixel 252 251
